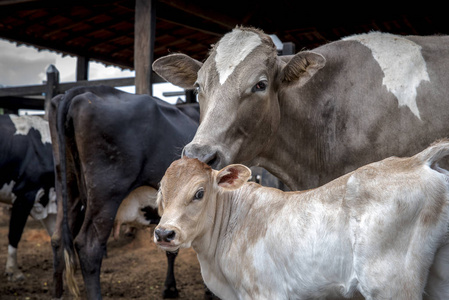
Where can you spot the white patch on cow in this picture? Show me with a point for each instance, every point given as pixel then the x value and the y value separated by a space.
pixel 12 268
pixel 232 50
pixel 402 63
pixel 11 262
pixel 39 212
pixel 6 194
pixel 129 212
pixel 23 125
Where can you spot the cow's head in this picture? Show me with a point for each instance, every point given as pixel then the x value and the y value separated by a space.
pixel 187 200
pixel 238 88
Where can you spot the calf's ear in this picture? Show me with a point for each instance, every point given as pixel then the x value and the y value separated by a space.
pixel 302 67
pixel 233 177
pixel 178 69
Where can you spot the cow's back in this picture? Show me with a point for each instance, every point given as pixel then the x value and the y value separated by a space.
pixel 25 156
pixel 139 131
pixel 361 107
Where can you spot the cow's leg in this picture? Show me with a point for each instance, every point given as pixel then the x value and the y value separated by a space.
pixel 170 290
pixel 91 246
pixel 91 241
pixel 19 215
pixel 438 280
pixel 56 242
pixel 12 270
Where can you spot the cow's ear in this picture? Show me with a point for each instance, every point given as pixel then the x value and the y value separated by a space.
pixel 302 67
pixel 178 69
pixel 233 177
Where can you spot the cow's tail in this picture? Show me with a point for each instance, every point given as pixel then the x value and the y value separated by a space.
pixel 67 238
pixel 431 155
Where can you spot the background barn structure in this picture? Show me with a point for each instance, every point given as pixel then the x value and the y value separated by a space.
pixel 130 34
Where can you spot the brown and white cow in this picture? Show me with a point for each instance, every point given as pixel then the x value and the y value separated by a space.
pixel 373 232
pixel 319 114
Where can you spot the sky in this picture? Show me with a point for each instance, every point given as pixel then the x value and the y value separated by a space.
pixel 25 65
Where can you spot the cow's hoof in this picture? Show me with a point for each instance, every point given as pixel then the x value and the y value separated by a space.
pixel 15 276
pixel 171 292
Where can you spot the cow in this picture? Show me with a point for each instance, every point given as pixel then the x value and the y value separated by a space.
pixel 373 232
pixel 311 117
pixel 26 179
pixel 137 210
pixel 108 145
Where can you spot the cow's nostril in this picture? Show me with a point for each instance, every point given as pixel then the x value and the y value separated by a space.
pixel 163 235
pixel 204 153
pixel 212 160
pixel 156 235
pixel 170 236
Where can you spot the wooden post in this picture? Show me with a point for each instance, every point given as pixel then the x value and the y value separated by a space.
pixel 82 68
pixel 144 36
pixel 51 88
pixel 190 96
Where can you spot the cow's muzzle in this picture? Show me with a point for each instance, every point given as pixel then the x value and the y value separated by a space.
pixel 163 235
pixel 205 153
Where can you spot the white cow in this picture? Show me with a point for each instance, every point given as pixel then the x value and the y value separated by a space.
pixel 132 210
pixel 373 232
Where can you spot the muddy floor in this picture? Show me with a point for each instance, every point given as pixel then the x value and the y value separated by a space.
pixel 134 269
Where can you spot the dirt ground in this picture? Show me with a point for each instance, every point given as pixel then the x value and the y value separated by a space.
pixel 134 269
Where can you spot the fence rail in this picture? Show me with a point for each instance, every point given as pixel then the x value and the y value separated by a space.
pixel 40 89
pixel 15 97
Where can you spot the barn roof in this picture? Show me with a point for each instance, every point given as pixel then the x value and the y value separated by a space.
pixel 103 30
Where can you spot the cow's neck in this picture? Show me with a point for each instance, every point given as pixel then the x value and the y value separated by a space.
pixel 231 208
pixel 299 154
pixel 206 245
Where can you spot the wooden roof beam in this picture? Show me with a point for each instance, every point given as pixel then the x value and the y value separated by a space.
pixel 175 16
pixel 209 15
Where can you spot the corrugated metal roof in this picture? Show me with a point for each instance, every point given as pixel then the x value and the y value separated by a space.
pixel 104 30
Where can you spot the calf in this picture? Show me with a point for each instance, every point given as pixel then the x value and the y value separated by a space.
pixel 26 179
pixel 373 232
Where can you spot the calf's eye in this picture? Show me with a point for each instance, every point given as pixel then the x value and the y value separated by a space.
pixel 199 194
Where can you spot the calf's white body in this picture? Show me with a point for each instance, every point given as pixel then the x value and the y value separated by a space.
pixel 374 232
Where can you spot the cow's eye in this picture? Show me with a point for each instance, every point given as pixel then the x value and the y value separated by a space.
pixel 197 89
pixel 199 194
pixel 260 86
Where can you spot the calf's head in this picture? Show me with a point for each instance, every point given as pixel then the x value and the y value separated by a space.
pixel 187 200
pixel 238 90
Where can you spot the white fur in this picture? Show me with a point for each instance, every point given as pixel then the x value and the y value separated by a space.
pixel 25 123
pixel 6 194
pixel 39 212
pixel 374 232
pixel 232 50
pixel 402 63
pixel 129 212
pixel 12 269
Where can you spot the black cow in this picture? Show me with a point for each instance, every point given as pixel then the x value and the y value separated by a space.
pixel 107 143
pixel 26 179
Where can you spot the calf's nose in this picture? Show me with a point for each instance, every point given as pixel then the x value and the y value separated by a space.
pixel 163 235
